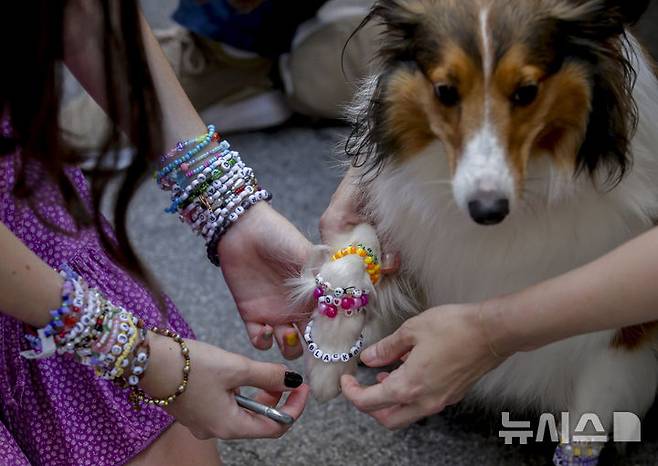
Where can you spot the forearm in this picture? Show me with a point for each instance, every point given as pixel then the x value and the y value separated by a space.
pixel 615 291
pixel 29 288
pixel 84 57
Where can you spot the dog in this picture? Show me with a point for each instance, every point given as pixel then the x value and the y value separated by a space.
pixel 499 143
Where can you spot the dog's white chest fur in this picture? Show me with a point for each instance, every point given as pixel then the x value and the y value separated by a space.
pixel 561 223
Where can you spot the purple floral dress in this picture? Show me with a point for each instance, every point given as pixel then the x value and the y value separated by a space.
pixel 55 412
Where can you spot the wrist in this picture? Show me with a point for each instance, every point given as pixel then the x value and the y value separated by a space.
pixel 244 228
pixel 491 321
pixel 163 375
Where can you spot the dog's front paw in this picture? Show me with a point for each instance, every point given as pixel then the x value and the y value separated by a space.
pixel 324 378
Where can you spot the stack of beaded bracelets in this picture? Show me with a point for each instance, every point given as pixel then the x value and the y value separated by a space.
pixel 100 335
pixel 327 357
pixel 95 332
pixel 210 191
pixel 350 300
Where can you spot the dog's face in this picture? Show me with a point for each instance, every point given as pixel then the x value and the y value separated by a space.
pixel 499 82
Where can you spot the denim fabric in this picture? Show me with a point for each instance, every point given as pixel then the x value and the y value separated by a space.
pixel 267 31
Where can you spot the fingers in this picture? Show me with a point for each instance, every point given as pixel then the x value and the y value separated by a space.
pixel 268 398
pixel 388 350
pixel 382 376
pixel 260 335
pixel 250 425
pixel 399 416
pixel 367 399
pixel 270 377
pixel 288 341
pixel 390 263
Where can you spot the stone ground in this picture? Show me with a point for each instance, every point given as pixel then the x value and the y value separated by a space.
pixel 296 163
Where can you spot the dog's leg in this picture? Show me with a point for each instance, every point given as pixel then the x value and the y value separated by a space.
pixel 337 334
pixel 612 381
pixel 389 303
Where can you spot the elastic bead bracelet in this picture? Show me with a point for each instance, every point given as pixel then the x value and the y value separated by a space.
pixel 137 396
pixel 370 260
pixel 191 153
pixel 181 146
pixel 211 247
pixel 330 300
pixel 329 357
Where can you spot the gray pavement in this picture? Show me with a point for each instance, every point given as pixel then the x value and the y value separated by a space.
pixel 295 162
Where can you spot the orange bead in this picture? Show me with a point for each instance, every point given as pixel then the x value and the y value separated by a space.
pixel 353 250
pixel 361 252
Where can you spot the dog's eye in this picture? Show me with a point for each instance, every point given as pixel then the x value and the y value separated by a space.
pixel 448 95
pixel 525 95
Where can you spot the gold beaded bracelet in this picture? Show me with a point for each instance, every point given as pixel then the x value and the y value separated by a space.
pixel 137 396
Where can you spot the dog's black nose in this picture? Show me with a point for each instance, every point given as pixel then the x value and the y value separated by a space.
pixel 489 210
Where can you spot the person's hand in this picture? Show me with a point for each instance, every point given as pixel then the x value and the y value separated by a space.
pixel 345 212
pixel 257 256
pixel 208 407
pixel 445 351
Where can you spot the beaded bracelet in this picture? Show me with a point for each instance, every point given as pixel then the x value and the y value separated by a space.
pixel 330 300
pixel 221 190
pixel 329 357
pixel 212 136
pixel 211 247
pixel 370 260
pixel 181 146
pixel 89 328
pixel 137 396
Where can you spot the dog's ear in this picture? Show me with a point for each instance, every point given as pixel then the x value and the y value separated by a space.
pixel 630 10
pixel 401 19
pixel 598 19
pixel 592 32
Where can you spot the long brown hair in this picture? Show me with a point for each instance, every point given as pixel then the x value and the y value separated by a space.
pixel 32 33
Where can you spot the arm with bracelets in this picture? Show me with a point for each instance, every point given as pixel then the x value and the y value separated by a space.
pixel 195 382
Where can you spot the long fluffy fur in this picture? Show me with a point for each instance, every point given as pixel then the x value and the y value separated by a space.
pixel 562 221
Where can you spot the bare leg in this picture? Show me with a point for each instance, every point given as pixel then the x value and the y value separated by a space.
pixel 178 446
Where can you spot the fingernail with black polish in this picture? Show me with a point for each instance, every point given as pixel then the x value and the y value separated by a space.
pixel 293 380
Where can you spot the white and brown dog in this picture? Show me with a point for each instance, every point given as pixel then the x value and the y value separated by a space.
pixel 501 143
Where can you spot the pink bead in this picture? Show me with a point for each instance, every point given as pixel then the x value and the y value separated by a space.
pixel 318 292
pixel 364 300
pixel 331 311
pixel 358 303
pixel 184 167
pixel 347 303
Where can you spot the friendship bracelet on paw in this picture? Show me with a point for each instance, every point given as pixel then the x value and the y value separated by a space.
pixel 370 260
pixel 328 356
pixel 330 300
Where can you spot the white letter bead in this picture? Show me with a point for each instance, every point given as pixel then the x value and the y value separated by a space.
pixel 345 357
pixel 335 357
pixel 318 353
pixel 312 347
pixel 326 358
